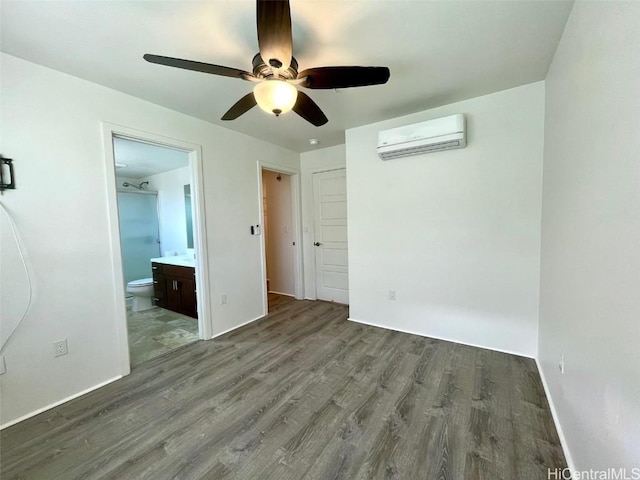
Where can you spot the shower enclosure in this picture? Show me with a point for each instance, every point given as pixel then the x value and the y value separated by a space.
pixel 139 232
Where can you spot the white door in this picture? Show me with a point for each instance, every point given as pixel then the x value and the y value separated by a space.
pixel 330 203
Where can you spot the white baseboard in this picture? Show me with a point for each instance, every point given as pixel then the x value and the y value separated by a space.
pixel 55 404
pixel 556 421
pixel 280 293
pixel 519 354
pixel 237 326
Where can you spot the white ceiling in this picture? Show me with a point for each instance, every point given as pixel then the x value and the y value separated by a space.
pixel 143 159
pixel 438 52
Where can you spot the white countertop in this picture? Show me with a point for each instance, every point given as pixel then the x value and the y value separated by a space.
pixel 180 260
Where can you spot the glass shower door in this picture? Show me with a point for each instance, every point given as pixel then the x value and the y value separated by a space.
pixel 139 233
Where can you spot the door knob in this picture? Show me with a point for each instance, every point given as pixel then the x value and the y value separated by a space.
pixel 317 244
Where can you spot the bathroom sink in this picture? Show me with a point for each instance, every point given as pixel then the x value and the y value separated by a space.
pixel 181 260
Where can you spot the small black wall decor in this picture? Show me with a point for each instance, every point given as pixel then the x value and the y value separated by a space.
pixel 7 175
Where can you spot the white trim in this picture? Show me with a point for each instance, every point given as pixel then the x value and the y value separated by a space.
pixel 238 326
pixel 280 293
pixel 205 315
pixel 117 274
pixel 556 420
pixel 263 246
pixel 296 213
pixel 60 402
pixel 327 169
pixel 441 338
pixel 205 327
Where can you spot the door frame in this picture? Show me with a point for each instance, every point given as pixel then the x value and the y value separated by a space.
pixel 296 213
pixel 205 327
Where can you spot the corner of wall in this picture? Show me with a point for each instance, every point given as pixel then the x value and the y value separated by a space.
pixel 556 417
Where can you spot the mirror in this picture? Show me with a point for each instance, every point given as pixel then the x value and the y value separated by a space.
pixel 187 210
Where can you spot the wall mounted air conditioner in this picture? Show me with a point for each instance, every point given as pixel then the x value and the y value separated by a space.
pixel 437 135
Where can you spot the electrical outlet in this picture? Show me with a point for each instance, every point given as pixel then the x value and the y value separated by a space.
pixel 391 295
pixel 223 299
pixel 60 348
pixel 561 364
pixel 3 366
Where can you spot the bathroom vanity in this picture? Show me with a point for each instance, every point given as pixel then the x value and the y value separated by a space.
pixel 174 284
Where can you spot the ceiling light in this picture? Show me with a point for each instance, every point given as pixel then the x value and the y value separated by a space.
pixel 275 96
pixel 313 141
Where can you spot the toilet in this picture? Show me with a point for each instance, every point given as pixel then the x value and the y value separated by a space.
pixel 142 291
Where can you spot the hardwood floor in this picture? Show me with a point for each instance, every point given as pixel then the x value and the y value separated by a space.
pixel 301 394
pixel 277 301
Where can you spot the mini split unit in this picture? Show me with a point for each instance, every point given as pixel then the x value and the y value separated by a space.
pixel 433 136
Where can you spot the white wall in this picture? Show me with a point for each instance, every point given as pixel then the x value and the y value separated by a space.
pixel 279 232
pixel 456 234
pixel 51 127
pixel 171 208
pixel 590 282
pixel 322 160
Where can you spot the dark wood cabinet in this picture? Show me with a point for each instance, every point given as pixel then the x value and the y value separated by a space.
pixel 175 288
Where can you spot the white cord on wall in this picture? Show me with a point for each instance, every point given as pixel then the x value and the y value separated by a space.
pixel 26 271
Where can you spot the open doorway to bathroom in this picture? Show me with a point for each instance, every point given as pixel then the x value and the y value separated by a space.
pixel 154 203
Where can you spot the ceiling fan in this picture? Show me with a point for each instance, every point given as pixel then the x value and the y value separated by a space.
pixel 275 70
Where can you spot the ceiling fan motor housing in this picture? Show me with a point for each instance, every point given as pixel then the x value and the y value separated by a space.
pixel 262 70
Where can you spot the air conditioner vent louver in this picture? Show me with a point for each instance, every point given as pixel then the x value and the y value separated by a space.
pixel 433 136
pixel 418 150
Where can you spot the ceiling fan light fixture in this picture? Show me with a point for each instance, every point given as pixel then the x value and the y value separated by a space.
pixel 275 70
pixel 275 96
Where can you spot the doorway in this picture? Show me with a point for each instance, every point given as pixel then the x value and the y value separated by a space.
pixel 156 217
pixel 279 237
pixel 156 243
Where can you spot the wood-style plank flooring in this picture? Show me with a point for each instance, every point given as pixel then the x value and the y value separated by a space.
pixel 301 394
pixel 278 302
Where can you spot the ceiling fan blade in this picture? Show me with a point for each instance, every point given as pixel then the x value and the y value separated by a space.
pixel 197 66
pixel 274 32
pixel 243 105
pixel 307 109
pixel 344 77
